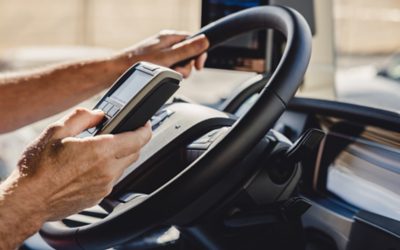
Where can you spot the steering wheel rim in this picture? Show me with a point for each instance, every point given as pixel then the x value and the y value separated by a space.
pixel 137 216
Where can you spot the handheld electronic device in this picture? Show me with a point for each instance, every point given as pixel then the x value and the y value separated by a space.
pixel 134 98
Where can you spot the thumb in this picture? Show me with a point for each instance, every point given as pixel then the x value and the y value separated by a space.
pixel 80 120
pixel 186 49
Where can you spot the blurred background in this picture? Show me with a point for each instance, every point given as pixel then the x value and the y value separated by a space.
pixel 101 23
pixel 361 26
pixel 363 47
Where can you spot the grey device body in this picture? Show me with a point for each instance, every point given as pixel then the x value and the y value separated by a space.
pixel 134 98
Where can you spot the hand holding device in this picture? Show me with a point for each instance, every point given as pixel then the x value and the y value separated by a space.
pixel 60 174
pixel 134 98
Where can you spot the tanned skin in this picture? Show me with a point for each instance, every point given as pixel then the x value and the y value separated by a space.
pixel 59 174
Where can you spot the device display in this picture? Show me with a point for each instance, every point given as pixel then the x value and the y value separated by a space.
pixel 245 52
pixel 131 86
pixel 134 98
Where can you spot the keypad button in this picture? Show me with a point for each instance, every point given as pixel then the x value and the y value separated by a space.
pixel 107 108
pixel 92 130
pixel 84 134
pixel 112 111
pixel 102 105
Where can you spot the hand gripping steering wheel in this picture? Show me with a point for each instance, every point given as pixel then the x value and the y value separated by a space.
pixel 184 191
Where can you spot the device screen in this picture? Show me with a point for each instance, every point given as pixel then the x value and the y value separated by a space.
pixel 131 86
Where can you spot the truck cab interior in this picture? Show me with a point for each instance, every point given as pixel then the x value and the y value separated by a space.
pixel 280 162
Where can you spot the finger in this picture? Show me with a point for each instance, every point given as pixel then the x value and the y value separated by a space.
pixel 78 121
pixel 186 49
pixel 200 61
pixel 123 164
pixel 171 37
pixel 148 124
pixel 185 70
pixel 123 144
pixel 131 142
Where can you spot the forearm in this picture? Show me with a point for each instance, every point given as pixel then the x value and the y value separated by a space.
pixel 20 214
pixel 31 96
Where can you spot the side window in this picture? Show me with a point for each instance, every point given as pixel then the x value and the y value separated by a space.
pixel 367 35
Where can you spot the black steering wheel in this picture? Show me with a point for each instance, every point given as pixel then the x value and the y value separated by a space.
pixel 183 193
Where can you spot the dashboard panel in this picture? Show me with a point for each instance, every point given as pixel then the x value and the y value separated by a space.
pixel 353 180
pixel 361 166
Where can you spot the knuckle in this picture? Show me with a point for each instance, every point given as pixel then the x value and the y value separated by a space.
pixel 58 146
pixel 54 129
pixel 80 111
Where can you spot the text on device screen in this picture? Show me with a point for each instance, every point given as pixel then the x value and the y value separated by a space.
pixel 131 86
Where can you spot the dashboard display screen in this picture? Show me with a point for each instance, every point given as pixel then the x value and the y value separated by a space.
pixel 131 86
pixel 245 52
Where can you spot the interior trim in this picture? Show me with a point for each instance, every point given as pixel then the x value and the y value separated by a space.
pixel 352 112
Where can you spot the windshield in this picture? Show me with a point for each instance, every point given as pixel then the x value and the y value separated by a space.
pixel 367 45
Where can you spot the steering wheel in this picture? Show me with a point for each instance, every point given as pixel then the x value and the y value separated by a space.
pixel 182 193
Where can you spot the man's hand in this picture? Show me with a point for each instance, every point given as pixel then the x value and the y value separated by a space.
pixel 70 173
pixel 170 47
pixel 59 174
